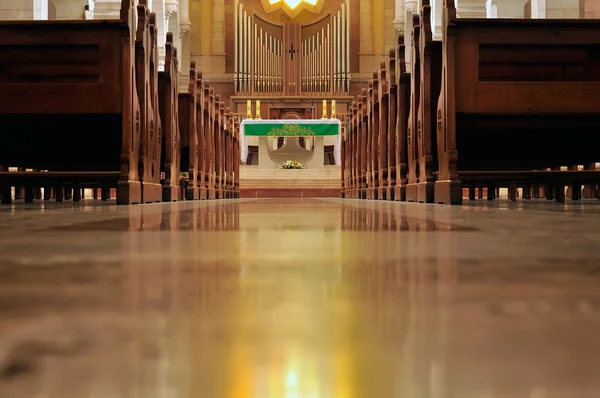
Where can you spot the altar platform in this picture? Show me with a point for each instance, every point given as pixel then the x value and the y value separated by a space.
pixel 279 183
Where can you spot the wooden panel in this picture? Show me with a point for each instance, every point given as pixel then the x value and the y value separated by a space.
pixel 541 62
pixel 60 67
pixel 535 97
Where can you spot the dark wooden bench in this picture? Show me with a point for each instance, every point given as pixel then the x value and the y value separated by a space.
pixel 147 91
pixel 517 97
pixel 413 112
pixel 169 111
pixel 430 52
pixel 188 126
pixel 68 103
pixel 403 109
pixel 383 123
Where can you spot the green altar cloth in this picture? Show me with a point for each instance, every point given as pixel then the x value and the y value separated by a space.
pixel 291 128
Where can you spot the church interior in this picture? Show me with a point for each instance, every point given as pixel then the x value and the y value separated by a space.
pixel 299 198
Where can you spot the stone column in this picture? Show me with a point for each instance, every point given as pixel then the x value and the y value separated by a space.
pixel 436 18
pixel 471 9
pixel 40 10
pixel 184 38
pixel 89 12
pixel 559 9
pixel 159 7
pixel 107 9
pixel 172 25
pixel 538 9
pixel 23 10
pixel 185 56
pixel 491 9
pixel 506 8
pixel 411 7
pixel 399 17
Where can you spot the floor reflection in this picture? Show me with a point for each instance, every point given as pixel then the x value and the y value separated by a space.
pixel 305 299
pixel 262 214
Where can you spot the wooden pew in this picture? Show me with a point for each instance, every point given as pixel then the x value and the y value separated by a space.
pixel 412 129
pixel 201 109
pixel 228 159
pixel 169 111
pixel 147 90
pixel 517 97
pixel 205 143
pixel 82 94
pixel 363 121
pixel 218 147
pixel 350 153
pixel 403 109
pixel 382 114
pixel 430 64
pixel 392 123
pixel 371 156
pixel 210 143
pixel 236 160
pixel 189 135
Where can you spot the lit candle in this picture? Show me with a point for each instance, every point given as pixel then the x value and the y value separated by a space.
pixel 333 109
pixel 258 109
pixel 324 109
pixel 249 109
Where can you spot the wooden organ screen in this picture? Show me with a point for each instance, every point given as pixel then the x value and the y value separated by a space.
pixel 292 59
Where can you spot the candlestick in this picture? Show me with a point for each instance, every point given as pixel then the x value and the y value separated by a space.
pixel 249 109
pixel 333 109
pixel 324 109
pixel 258 109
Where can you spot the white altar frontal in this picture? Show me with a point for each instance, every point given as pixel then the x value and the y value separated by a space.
pixel 317 133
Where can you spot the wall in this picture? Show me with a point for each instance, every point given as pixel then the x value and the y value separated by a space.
pixel 591 8
pixel 562 8
pixel 16 10
pixel 66 9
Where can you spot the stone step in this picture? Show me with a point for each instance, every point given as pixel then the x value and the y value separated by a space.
pixel 326 178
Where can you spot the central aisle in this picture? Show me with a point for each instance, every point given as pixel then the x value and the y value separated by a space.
pixel 314 298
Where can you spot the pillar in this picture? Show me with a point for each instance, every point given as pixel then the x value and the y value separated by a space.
pixel 538 9
pixel 40 10
pixel 107 9
pixel 491 9
pixel 560 9
pixel 399 17
pixel 172 24
pixel 159 8
pixel 472 8
pixel 24 10
pixel 184 39
pixel 411 7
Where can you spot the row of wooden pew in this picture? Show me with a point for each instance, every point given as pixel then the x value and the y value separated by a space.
pixel 84 105
pixel 496 103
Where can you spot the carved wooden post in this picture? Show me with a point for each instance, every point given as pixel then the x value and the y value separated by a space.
pixel 413 162
pixel 383 133
pixel 403 109
pixel 431 71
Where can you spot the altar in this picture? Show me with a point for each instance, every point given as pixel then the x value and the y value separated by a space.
pixel 312 156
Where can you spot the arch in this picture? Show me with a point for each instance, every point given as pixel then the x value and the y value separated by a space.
pixel 291 115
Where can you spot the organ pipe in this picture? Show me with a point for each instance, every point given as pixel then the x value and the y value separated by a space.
pixel 262 59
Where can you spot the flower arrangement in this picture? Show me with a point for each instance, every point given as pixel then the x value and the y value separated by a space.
pixel 292 164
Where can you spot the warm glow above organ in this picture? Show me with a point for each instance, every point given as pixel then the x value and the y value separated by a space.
pixel 293 7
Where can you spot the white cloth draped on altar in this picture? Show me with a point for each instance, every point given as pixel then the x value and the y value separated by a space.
pixel 244 139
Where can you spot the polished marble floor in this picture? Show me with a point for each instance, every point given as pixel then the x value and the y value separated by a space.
pixel 300 299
